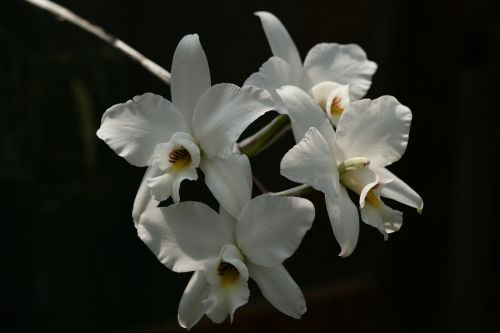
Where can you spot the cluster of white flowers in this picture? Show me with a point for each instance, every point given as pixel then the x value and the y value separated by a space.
pixel 343 143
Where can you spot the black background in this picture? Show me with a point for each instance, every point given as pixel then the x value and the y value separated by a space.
pixel 71 260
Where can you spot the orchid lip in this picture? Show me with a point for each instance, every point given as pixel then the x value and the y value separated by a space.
pixel 227 273
pixel 179 158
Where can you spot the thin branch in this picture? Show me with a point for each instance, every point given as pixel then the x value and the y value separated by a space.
pixel 259 185
pixel 97 31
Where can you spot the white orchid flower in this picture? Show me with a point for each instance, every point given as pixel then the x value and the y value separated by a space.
pixel 334 74
pixel 370 136
pixel 225 252
pixel 198 128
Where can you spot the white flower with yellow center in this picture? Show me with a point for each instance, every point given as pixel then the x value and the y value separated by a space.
pixel 225 252
pixel 333 74
pixel 198 128
pixel 370 135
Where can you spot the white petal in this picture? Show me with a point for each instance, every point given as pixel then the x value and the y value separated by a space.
pixel 398 190
pixel 345 221
pixel 233 255
pixel 344 64
pixel 222 301
pixel 273 74
pixel 229 180
pixel 279 289
pixel 191 307
pixel 184 235
pixel 332 97
pixel 377 130
pixel 161 186
pixel 312 162
pixel 224 112
pixel 188 173
pixel 143 199
pixel 320 92
pixel 228 254
pixel 304 112
pixel 237 297
pixel 384 218
pixel 228 218
pixel 134 128
pixel 225 297
pixel 168 184
pixel 360 181
pixel 175 168
pixel 236 294
pixel 281 43
pixel 161 156
pixel 270 228
pixel 216 304
pixel 337 101
pixel 190 75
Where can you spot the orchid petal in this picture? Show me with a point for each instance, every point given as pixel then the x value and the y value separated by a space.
pixel 382 217
pixel 332 97
pixel 344 64
pixel 273 74
pixel 279 289
pixel 178 160
pixel 304 112
pixel 168 184
pixel 134 128
pixel 337 101
pixel 216 304
pixel 184 235
pixel 191 307
pixel 270 228
pixel 222 302
pixel 236 294
pixel 180 140
pixel 225 297
pixel 377 130
pixel 190 75
pixel 360 181
pixel 143 199
pixel 312 162
pixel 161 186
pixel 398 190
pixel 345 221
pixel 229 180
pixel 224 112
pixel 228 218
pixel 231 254
pixel 228 254
pixel 281 43
pixel 237 297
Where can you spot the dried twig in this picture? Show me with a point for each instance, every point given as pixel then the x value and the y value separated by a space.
pixel 69 16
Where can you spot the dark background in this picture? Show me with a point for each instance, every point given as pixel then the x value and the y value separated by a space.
pixel 71 260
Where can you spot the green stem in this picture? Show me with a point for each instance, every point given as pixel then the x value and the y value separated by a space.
pixel 256 143
pixel 298 191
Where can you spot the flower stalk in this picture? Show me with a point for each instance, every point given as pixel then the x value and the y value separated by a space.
pixel 266 136
pixel 67 15
pixel 297 191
